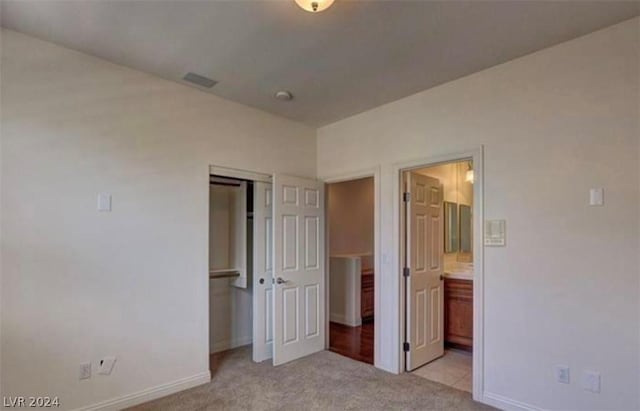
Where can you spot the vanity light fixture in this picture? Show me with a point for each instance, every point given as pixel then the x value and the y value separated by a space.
pixel 314 6
pixel 469 176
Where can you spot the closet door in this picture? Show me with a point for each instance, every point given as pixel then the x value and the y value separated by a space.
pixel 262 271
pixel 298 238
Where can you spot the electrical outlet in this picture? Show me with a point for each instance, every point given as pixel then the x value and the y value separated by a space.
pixel 591 381
pixel 562 374
pixel 85 370
pixel 106 365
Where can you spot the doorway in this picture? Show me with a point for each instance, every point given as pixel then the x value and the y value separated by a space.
pixel 438 257
pixel 351 277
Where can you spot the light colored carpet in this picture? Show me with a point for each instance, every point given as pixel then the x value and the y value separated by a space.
pixel 322 381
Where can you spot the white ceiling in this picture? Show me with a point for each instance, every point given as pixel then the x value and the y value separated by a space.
pixel 350 58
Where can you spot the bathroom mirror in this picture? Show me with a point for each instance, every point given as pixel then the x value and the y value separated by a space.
pixel 466 235
pixel 450 227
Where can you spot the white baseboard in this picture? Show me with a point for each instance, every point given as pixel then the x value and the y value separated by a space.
pixel 150 393
pixel 342 319
pixel 229 344
pixel 507 404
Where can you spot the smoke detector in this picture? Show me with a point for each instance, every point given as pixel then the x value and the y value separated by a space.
pixel 199 80
pixel 284 95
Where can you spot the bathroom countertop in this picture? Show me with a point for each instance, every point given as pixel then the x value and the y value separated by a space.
pixel 459 271
pixel 459 275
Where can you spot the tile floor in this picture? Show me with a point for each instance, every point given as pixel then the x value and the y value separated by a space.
pixel 453 369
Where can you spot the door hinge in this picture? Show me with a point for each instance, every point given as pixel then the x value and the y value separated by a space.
pixel 406 347
pixel 406 272
pixel 406 197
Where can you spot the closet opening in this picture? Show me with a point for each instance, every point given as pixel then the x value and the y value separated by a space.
pixel 351 285
pixel 239 272
pixel 230 245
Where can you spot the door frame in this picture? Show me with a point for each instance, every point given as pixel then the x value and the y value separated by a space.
pixel 240 173
pixel 477 156
pixel 377 330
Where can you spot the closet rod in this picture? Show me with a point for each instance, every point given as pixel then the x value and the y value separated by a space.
pixel 223 274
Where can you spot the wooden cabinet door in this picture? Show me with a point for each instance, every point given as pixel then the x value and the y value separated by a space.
pixel 367 296
pixel 459 313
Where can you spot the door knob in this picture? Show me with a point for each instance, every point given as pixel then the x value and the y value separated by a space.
pixel 261 281
pixel 280 280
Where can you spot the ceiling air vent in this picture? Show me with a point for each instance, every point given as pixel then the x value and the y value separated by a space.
pixel 199 80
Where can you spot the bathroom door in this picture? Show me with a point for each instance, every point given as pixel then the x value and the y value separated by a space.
pixel 298 256
pixel 424 260
pixel 262 271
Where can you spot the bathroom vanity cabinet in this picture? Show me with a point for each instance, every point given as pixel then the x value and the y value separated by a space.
pixel 367 295
pixel 458 313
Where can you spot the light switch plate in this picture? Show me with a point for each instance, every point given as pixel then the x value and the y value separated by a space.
pixel 596 197
pixel 562 374
pixel 104 202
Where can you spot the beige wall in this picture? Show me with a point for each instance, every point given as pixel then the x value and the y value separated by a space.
pixel 566 288
pixel 78 284
pixel 350 216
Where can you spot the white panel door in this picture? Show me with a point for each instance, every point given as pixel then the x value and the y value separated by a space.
pixel 425 252
pixel 298 238
pixel 262 271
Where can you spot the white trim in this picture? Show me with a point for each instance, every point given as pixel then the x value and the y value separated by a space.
pixel 150 393
pixel 476 155
pixel 241 174
pixel 507 404
pixel 377 267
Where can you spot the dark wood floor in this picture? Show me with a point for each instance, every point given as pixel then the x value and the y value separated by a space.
pixel 352 342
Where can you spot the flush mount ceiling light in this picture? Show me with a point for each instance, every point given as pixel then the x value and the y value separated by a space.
pixel 314 6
